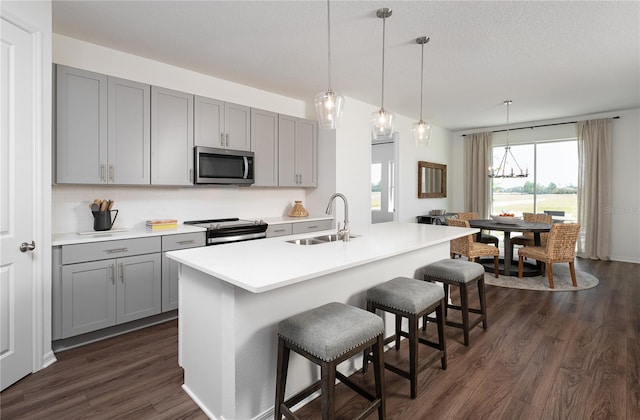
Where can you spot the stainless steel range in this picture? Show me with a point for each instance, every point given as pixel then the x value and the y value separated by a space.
pixel 222 231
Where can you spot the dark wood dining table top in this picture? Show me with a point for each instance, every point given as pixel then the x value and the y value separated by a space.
pixel 507 228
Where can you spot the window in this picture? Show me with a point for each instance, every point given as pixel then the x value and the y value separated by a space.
pixel 551 184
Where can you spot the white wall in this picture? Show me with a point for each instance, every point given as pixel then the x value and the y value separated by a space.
pixel 344 155
pixel 137 204
pixel 625 199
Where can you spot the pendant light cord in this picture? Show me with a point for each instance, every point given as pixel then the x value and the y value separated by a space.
pixel 421 80
pixel 329 41
pixel 384 21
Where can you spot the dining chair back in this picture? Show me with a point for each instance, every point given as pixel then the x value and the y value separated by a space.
pixel 527 239
pixel 485 238
pixel 466 246
pixel 560 247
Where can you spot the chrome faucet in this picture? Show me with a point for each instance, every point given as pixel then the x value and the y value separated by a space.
pixel 344 232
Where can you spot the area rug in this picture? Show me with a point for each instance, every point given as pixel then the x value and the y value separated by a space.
pixel 561 281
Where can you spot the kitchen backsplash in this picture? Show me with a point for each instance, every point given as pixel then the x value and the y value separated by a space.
pixel 137 204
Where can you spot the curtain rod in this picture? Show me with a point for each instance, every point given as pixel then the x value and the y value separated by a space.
pixel 617 117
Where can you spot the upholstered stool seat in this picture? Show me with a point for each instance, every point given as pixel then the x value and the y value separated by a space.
pixel 460 273
pixel 329 335
pixel 411 299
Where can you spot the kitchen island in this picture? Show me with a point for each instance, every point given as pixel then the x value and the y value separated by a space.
pixel 233 296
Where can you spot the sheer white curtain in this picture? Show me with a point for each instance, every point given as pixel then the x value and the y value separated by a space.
pixel 476 183
pixel 594 187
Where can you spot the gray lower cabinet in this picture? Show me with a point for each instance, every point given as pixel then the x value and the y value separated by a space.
pixel 170 267
pixel 294 228
pixel 297 152
pixel 171 137
pixel 100 294
pixel 101 284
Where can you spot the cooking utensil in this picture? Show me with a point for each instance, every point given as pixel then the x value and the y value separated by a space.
pixel 103 205
pixel 94 207
pixel 109 205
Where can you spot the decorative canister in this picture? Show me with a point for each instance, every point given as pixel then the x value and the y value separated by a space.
pixel 298 210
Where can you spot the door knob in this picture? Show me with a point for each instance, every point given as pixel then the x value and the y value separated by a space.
pixel 26 246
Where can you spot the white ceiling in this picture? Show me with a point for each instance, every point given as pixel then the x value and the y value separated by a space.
pixel 554 59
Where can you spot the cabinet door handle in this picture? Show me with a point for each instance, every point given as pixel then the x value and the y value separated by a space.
pixel 122 272
pixel 312 227
pixel 102 172
pixel 221 139
pixel 190 175
pixel 278 230
pixel 186 242
pixel 226 143
pixel 115 250
pixel 113 279
pixel 110 172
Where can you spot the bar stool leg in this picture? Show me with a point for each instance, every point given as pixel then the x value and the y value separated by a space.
pixel 464 304
pixel 378 367
pixel 483 301
pixel 443 344
pixel 398 329
pixel 328 385
pixel 281 377
pixel 413 354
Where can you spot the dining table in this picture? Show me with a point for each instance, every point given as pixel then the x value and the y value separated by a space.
pixel 520 226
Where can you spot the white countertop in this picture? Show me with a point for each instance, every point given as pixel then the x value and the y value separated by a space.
pixel 267 264
pixel 59 239
pixel 69 238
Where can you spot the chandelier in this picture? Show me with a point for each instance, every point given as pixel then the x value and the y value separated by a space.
pixel 508 158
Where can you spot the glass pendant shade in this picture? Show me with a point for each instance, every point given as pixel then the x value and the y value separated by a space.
pixel 382 120
pixel 421 133
pixel 329 106
pixel 381 124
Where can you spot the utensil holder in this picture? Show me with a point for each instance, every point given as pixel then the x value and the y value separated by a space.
pixel 102 220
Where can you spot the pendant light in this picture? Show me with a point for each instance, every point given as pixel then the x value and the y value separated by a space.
pixel 501 171
pixel 382 120
pixel 329 104
pixel 421 130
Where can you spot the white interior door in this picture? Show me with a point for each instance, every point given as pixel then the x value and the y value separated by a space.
pixel 382 182
pixel 16 201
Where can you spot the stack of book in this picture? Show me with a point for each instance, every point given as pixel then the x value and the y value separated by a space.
pixel 162 224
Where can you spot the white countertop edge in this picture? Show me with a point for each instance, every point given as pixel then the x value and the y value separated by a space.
pixel 177 256
pixel 289 219
pixel 71 238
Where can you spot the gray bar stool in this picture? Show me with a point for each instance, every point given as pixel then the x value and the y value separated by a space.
pixel 329 335
pixel 411 299
pixel 460 273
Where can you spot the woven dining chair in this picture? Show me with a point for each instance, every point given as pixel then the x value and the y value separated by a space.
pixel 526 239
pixel 485 238
pixel 560 247
pixel 467 247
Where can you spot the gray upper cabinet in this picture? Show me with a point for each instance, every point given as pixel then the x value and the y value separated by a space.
pixel 81 126
pixel 222 124
pixel 171 137
pixel 129 132
pixel 297 152
pixel 102 129
pixel 264 143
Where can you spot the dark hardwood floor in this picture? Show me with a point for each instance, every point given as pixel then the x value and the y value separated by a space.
pixel 562 355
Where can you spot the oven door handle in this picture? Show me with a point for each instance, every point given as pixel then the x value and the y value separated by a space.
pixel 246 167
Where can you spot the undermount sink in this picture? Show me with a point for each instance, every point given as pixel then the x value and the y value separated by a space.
pixel 322 239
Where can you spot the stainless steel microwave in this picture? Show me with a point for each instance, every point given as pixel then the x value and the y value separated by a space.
pixel 223 166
